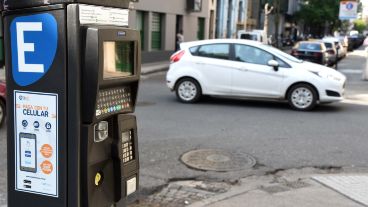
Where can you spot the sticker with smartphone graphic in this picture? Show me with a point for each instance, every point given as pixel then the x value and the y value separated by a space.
pixel 28 155
pixel 36 143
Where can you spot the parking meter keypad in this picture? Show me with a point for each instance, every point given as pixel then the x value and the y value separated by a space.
pixel 127 146
pixel 113 100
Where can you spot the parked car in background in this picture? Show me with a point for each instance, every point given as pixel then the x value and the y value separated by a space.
pixel 248 69
pixel 355 41
pixel 345 42
pixel 312 51
pixel 331 52
pixel 2 101
pixel 340 49
pixel 256 35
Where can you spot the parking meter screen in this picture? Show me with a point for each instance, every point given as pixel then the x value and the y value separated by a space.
pixel 118 59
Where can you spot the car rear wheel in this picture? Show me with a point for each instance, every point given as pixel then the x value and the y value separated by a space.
pixel 188 90
pixel 302 97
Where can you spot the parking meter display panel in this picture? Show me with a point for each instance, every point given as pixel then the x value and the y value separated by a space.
pixel 20 4
pixel 118 59
pixel 111 71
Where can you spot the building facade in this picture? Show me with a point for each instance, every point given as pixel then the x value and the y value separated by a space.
pixel 231 17
pixel 159 22
pixel 235 15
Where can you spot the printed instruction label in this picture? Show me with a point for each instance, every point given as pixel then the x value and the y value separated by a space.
pixel 36 142
pixel 103 15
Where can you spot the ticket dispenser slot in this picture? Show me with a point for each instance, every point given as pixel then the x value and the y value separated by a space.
pixel 110 78
pixel 98 170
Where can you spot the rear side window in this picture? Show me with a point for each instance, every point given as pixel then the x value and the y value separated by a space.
pixel 218 51
pixel 193 50
pixel 328 45
pixel 310 46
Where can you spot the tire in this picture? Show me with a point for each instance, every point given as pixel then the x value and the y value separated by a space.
pixel 2 112
pixel 188 90
pixel 302 97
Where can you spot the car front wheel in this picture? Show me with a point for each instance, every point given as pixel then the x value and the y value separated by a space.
pixel 188 90
pixel 302 97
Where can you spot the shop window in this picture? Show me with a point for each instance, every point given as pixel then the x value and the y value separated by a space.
pixel 156 31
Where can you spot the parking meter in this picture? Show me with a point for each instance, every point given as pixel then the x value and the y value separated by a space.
pixel 110 77
pixel 73 70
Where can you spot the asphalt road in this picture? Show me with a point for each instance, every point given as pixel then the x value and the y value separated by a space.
pixel 333 135
pixel 278 137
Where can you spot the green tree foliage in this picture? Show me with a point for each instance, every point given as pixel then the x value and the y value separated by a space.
pixel 316 13
pixel 360 25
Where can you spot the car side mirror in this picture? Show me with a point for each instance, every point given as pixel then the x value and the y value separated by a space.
pixel 274 64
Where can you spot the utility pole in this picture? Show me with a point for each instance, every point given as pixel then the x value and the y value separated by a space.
pixel 267 11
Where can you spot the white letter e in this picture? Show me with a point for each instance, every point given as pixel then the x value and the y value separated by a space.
pixel 27 47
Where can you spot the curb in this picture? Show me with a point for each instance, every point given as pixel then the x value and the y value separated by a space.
pixel 150 69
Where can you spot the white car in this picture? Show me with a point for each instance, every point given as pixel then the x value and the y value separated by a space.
pixel 250 69
pixel 342 51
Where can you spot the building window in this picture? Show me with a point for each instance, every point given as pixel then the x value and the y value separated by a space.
pixel 200 31
pixel 140 26
pixel 194 5
pixel 156 31
pixel 240 12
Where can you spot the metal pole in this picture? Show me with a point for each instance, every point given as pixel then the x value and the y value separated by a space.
pixel 337 58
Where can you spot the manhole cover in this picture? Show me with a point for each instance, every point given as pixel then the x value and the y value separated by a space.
pixel 145 103
pixel 217 160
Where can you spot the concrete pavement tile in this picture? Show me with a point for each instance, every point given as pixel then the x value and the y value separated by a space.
pixel 352 186
pixel 314 196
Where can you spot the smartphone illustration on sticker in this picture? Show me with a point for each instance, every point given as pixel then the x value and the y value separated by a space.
pixel 28 153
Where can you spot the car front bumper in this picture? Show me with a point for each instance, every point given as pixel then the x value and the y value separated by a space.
pixel 333 91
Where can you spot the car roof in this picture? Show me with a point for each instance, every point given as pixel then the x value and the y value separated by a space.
pixel 331 39
pixel 315 41
pixel 185 45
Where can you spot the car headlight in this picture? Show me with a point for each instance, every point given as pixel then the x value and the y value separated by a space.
pixel 327 76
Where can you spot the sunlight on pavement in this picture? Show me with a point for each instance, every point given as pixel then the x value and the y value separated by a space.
pixel 359 99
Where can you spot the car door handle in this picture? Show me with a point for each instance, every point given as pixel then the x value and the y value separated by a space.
pixel 241 68
pixel 200 63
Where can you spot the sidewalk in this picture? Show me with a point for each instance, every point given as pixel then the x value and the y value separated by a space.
pixel 149 68
pixel 291 189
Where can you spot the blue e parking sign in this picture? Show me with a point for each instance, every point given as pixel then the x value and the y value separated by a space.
pixel 33 47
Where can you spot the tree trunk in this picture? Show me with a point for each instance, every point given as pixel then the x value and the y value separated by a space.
pixel 265 25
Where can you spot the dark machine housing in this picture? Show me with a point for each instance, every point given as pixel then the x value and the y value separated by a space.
pixel 95 76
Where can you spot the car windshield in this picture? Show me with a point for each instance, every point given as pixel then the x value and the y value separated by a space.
pixel 282 54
